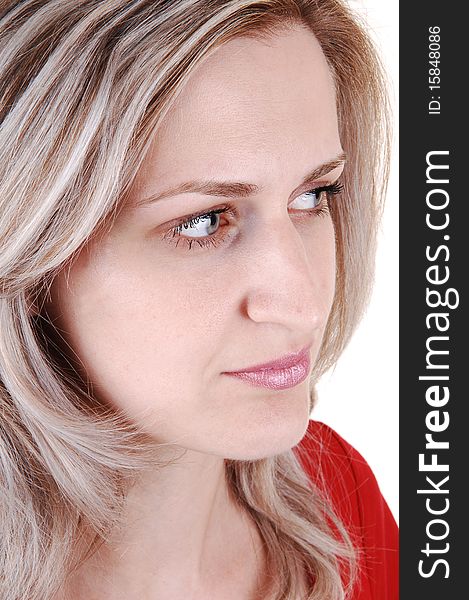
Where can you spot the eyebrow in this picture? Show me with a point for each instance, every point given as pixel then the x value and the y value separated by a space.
pixel 236 189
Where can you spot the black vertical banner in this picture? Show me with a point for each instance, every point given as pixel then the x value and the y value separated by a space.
pixel 434 259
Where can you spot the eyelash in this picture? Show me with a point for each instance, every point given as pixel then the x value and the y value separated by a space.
pixel 214 240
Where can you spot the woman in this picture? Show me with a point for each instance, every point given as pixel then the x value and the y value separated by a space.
pixel 189 190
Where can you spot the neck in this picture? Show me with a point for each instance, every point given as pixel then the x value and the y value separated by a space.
pixel 182 535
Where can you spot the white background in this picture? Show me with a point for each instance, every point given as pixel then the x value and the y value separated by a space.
pixel 359 399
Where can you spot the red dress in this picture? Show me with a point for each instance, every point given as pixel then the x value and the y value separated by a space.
pixel 357 500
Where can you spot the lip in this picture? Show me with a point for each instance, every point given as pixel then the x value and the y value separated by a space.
pixel 285 372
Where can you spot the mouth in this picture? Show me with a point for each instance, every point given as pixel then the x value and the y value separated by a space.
pixel 280 374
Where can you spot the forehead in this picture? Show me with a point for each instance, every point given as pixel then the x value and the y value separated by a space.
pixel 250 100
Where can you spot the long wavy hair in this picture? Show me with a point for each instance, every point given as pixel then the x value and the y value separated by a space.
pixel 84 86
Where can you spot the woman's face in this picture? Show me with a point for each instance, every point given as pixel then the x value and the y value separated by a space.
pixel 158 313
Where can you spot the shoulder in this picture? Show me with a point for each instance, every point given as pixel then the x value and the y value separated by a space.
pixel 347 480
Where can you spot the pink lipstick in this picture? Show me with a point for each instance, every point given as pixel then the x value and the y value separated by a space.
pixel 286 372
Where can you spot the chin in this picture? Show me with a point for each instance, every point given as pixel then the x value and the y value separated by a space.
pixel 262 442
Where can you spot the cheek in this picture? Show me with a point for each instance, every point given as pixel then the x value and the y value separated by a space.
pixel 319 242
pixel 330 261
pixel 144 335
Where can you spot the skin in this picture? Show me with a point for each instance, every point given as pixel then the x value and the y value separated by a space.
pixel 155 325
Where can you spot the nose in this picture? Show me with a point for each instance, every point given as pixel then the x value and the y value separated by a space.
pixel 288 283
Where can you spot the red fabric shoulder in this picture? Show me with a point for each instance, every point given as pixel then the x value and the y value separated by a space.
pixel 342 473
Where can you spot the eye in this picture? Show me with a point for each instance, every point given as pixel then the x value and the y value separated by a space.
pixel 317 196
pixel 210 222
pixel 204 228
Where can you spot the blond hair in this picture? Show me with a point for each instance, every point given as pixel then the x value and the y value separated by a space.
pixel 84 86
